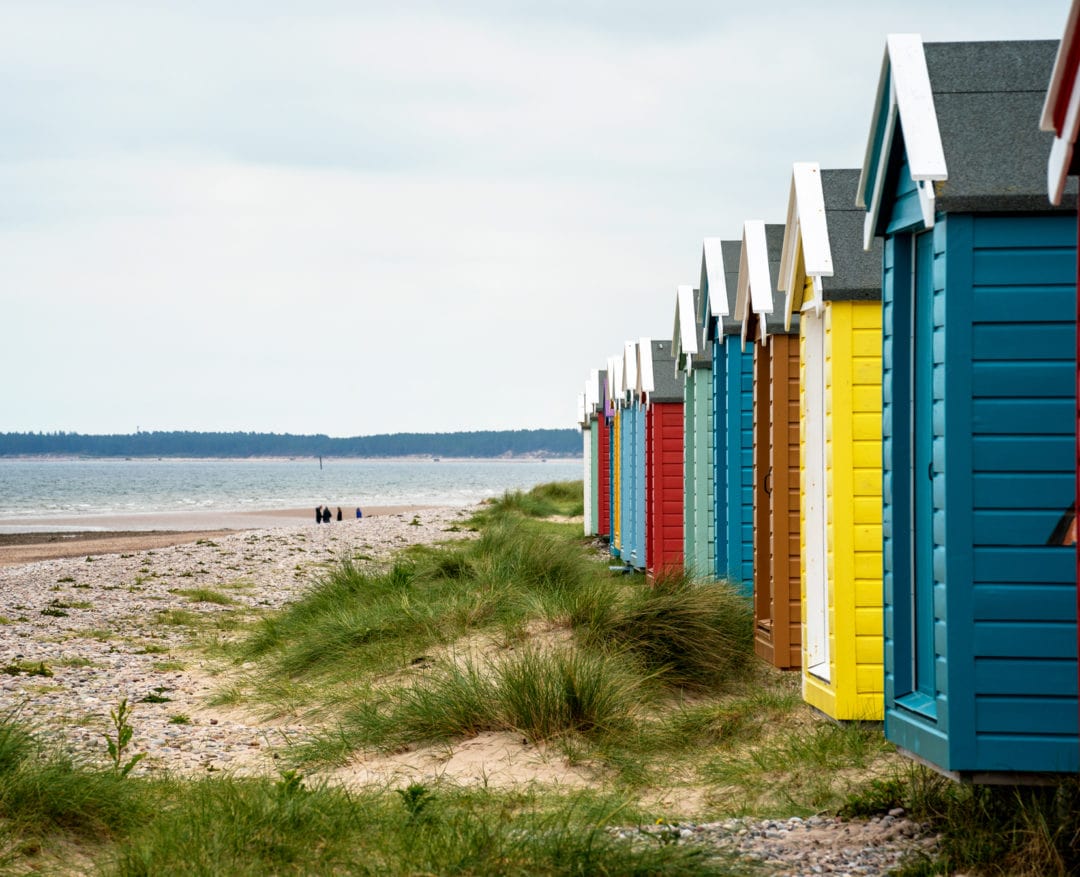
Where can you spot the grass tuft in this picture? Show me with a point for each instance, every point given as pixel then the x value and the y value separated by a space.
pixel 692 635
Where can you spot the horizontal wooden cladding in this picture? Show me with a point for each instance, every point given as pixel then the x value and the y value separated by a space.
pixel 992 341
pixel 1047 564
pixel 1020 416
pixel 1033 676
pixel 1024 714
pixel 1031 379
pixel 603 525
pixel 1026 752
pixel 1011 526
pixel 664 485
pixel 1010 601
pixel 1030 490
pixel 777 428
pixel 1024 639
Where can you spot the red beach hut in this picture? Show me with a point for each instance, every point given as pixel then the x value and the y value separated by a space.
pixel 662 394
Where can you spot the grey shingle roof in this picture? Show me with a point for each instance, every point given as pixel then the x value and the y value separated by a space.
pixel 774 322
pixel 988 97
pixel 667 384
pixel 856 272
pixel 704 358
pixel 731 250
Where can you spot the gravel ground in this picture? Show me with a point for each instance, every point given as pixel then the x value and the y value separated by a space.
pixel 105 627
pixel 805 847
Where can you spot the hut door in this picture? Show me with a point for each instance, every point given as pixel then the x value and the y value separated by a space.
pixel 922 474
pixel 763 478
pixel 817 580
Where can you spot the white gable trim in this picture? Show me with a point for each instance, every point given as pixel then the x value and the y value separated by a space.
pixel 615 378
pixel 915 101
pixel 911 98
pixel 754 291
pixel 684 310
pixel 806 223
pixel 813 226
pixel 592 390
pixel 713 258
pixel 630 368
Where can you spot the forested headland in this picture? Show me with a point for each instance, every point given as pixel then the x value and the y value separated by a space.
pixel 483 443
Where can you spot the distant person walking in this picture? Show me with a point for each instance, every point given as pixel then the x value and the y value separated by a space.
pixel 339 513
pixel 359 514
pixel 326 515
pixel 318 514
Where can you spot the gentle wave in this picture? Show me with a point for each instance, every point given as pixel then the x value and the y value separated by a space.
pixel 55 488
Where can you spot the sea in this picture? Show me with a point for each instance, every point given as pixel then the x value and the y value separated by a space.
pixel 66 488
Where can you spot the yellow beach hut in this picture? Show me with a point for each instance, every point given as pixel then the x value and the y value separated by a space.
pixel 833 286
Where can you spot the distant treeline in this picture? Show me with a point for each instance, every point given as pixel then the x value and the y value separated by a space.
pixel 489 443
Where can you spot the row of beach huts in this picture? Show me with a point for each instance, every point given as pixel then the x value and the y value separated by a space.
pixel 865 417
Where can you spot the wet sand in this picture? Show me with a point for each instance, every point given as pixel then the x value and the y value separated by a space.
pixel 26 540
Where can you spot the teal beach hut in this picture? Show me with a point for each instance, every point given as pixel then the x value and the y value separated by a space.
pixel 732 415
pixel 699 551
pixel 979 396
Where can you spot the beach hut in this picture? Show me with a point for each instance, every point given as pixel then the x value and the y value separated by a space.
pixel 640 554
pixel 591 453
pixel 662 394
pixel 834 286
pixel 758 308
pixel 696 366
pixel 1061 115
pixel 585 423
pixel 602 424
pixel 978 418
pixel 615 375
pixel 732 405
pixel 632 448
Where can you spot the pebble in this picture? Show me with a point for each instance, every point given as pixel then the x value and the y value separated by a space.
pixel 104 640
pixel 800 847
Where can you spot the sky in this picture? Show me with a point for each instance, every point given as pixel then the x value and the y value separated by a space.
pixel 355 218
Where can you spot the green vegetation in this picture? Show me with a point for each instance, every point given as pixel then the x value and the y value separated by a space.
pixel 645 690
pixel 205 595
pixel 128 825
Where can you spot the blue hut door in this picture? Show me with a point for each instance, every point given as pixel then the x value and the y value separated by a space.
pixel 922 475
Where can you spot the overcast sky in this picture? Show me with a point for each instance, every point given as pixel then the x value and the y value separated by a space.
pixel 355 218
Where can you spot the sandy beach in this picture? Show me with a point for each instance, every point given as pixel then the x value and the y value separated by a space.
pixel 24 540
pixel 109 615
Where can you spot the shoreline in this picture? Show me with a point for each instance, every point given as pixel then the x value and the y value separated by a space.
pixel 417 458
pixel 193 519
pixel 29 540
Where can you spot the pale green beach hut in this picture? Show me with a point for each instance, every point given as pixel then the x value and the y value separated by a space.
pixel 693 358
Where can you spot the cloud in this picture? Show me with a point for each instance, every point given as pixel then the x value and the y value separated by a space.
pixel 349 217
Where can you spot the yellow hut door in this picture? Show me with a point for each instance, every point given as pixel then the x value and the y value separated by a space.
pixel 815 513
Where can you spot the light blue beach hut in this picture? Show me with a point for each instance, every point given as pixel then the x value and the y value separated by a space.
pixel 979 395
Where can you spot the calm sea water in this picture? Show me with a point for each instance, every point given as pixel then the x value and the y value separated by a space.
pixel 59 488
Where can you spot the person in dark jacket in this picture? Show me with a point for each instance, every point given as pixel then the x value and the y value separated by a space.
pixel 326 515
pixel 318 514
pixel 339 513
